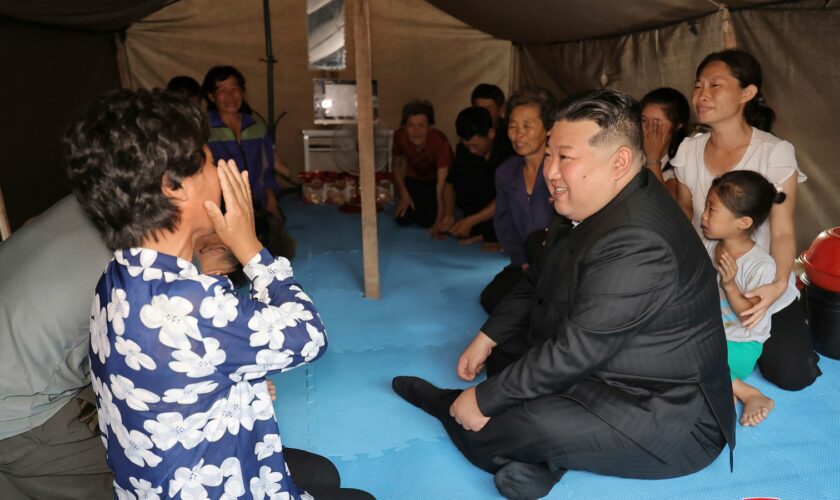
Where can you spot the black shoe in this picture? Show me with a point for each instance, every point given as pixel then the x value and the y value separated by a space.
pixel 521 481
pixel 424 395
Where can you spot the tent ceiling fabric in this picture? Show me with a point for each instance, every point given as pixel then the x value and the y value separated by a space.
pixel 524 21
pixel 97 15
pixel 549 21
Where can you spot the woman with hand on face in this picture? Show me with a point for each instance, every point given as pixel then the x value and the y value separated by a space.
pixel 727 98
pixel 522 198
pixel 238 135
pixel 178 361
pixel 665 115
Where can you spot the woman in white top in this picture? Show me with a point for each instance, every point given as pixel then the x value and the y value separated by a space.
pixel 665 115
pixel 727 98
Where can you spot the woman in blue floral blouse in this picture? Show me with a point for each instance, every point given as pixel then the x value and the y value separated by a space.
pixel 179 361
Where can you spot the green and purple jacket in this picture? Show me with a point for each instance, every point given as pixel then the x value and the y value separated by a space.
pixel 254 152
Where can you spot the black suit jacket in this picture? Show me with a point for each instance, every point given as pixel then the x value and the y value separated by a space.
pixel 623 314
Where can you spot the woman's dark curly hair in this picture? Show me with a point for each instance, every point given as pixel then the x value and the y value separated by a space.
pixel 122 150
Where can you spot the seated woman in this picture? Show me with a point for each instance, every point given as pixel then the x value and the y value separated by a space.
pixel 178 361
pixel 665 115
pixel 522 199
pixel 422 156
pixel 238 134
pixel 728 99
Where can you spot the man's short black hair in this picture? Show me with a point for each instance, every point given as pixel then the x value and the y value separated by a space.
pixel 617 114
pixel 122 150
pixel 473 121
pixel 184 85
pixel 488 91
pixel 418 107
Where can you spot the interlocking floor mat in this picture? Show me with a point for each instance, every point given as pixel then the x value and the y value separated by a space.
pixel 342 406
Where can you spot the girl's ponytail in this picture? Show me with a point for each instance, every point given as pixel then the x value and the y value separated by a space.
pixel 747 194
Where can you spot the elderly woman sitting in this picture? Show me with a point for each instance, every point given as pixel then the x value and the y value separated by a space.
pixel 178 361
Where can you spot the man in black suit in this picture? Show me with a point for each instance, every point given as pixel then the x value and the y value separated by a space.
pixel 610 355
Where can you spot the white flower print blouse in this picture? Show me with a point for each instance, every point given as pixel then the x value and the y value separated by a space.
pixel 178 363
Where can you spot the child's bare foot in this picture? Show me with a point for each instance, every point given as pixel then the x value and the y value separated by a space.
pixel 756 409
pixel 756 405
pixel 470 240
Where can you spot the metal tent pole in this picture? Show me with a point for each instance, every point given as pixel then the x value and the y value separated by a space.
pixel 269 61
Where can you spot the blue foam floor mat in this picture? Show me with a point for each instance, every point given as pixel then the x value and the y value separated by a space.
pixel 342 406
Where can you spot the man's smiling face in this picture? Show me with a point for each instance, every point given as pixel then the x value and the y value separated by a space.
pixel 577 173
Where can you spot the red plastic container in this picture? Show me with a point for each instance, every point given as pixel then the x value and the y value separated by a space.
pixel 822 260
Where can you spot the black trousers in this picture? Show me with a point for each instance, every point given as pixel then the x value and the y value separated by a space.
pixel 788 359
pixel 504 282
pixel 470 198
pixel 319 477
pixel 499 286
pixel 424 195
pixel 560 433
pixel 485 230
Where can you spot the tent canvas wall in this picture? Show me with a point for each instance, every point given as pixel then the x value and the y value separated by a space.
pixel 422 51
pixel 53 73
pixel 418 52
pixel 797 46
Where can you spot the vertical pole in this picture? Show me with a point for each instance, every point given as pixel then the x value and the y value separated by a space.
pixel 729 40
pixel 269 61
pixel 360 13
pixel 515 79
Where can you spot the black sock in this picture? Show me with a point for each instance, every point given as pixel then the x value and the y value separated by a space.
pixel 523 481
pixel 432 400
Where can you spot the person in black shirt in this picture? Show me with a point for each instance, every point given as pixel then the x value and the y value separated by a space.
pixel 491 98
pixel 470 183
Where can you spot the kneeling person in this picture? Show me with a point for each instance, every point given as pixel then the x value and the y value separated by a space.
pixel 178 361
pixel 470 183
pixel 609 356
pixel 421 158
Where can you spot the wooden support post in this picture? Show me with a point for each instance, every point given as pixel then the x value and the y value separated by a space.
pixel 360 14
pixel 729 40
